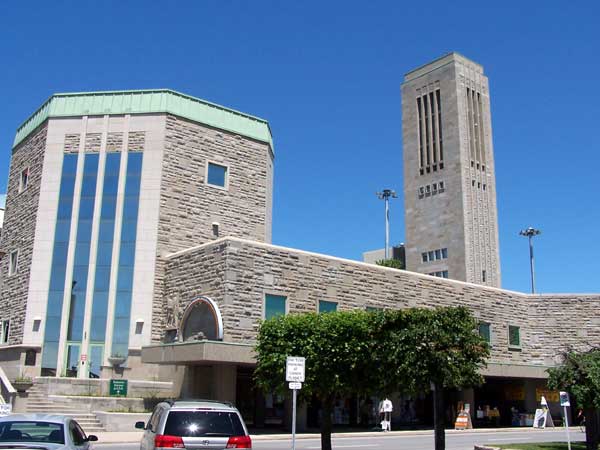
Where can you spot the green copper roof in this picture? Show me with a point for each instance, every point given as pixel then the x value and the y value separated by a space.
pixel 144 102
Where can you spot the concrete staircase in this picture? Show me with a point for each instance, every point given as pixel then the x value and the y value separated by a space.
pixel 38 401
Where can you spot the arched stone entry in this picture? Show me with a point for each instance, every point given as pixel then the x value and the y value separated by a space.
pixel 201 320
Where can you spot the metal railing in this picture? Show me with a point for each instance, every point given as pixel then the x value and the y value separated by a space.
pixel 7 391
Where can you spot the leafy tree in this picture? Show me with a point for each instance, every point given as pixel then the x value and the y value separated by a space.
pixel 579 374
pixel 373 353
pixel 393 263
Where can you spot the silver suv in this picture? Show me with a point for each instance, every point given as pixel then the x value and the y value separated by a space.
pixel 194 424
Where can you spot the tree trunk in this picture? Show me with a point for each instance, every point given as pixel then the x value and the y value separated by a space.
pixel 592 428
pixel 326 423
pixel 439 419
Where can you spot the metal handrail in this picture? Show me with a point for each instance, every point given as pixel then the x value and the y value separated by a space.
pixel 7 391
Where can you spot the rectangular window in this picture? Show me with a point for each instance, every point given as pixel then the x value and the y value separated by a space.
pixel 216 175
pixel 445 274
pixel 438 254
pixel 23 179
pixel 373 309
pixel 5 331
pixel 274 306
pixel 325 306
pixel 14 262
pixel 444 253
pixel 483 277
pixel 485 331
pixel 431 256
pixel 441 186
pixel 424 256
pixel 514 336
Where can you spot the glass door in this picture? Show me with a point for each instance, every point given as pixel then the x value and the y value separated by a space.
pixel 72 360
pixel 96 356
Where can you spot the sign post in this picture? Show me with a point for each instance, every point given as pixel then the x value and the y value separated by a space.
pixel 294 374
pixel 564 402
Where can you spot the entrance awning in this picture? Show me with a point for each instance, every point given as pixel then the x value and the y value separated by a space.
pixel 199 352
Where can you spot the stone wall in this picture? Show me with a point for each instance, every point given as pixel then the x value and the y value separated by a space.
pixel 253 269
pixel 19 229
pixel 189 207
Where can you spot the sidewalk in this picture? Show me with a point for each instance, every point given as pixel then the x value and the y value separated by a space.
pixel 108 437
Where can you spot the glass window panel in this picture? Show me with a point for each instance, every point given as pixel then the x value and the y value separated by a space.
pixel 80 275
pixel 107 231
pixel 82 255
pixel 325 306
pixel 109 206
pixel 130 208
pixel 88 186
pixel 86 208
pixel 67 186
pixel 90 165
pixel 65 208
pixel 125 279
pixel 134 163
pixel 121 330
pixel 55 300
pixel 57 280
pixel 438 254
pixel 63 229
pixel 444 253
pixel 59 257
pixel 484 331
pixel 274 306
pixel 84 230
pixel 104 255
pixel 122 304
pixel 120 348
pixel 100 307
pixel 113 163
pixel 102 280
pixel 98 327
pixel 50 354
pixel 129 231
pixel 69 165
pixel 127 254
pixel 132 185
pixel 111 185
pixel 216 174
pixel 72 359
pixel 53 328
pixel 75 329
pixel 514 336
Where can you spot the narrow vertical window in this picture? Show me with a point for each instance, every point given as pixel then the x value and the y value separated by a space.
pixel 5 332
pixel 13 266
pixel 444 253
pixel 483 276
pixel 427 143
pixel 24 179
pixel 514 336
pixel 59 262
pixel 122 314
pixel 439 127
pixel 274 306
pixel 424 257
pixel 420 137
pixel 485 331
pixel 433 127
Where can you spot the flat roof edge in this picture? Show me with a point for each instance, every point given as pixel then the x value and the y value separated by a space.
pixel 440 62
pixel 146 101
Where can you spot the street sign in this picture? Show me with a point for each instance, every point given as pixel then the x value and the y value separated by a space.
pixel 5 409
pixel 295 385
pixel 118 388
pixel 294 368
pixel 564 399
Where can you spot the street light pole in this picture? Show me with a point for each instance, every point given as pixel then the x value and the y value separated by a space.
pixel 530 232
pixel 385 195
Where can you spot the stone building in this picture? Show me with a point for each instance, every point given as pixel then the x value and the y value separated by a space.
pixel 137 244
pixel 449 180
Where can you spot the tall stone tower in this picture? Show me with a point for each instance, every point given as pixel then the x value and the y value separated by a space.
pixel 449 180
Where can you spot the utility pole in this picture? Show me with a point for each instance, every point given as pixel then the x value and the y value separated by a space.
pixel 530 232
pixel 385 195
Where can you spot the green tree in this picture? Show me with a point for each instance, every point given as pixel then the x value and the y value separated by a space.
pixel 373 353
pixel 579 374
pixel 393 263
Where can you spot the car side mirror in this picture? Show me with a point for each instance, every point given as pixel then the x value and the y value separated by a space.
pixel 140 425
pixel 92 438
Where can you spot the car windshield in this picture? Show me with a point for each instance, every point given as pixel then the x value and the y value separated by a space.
pixel 32 431
pixel 203 423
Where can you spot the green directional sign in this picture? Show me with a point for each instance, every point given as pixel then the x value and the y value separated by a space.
pixel 118 388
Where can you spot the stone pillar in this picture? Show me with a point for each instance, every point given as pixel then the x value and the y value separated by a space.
pixel 224 382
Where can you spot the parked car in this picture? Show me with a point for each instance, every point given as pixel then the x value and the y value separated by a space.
pixel 42 432
pixel 197 424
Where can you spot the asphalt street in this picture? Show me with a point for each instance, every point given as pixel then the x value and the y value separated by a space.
pixel 454 441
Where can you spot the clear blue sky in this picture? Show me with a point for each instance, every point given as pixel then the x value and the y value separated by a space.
pixel 327 77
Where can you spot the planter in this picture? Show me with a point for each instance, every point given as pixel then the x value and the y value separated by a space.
pixel 116 361
pixel 22 386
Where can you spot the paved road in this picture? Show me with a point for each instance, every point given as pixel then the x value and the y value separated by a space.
pixel 454 441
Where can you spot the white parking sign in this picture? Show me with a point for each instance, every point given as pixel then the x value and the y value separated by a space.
pixel 294 369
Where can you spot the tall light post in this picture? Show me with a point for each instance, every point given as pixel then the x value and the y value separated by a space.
pixel 530 232
pixel 385 195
